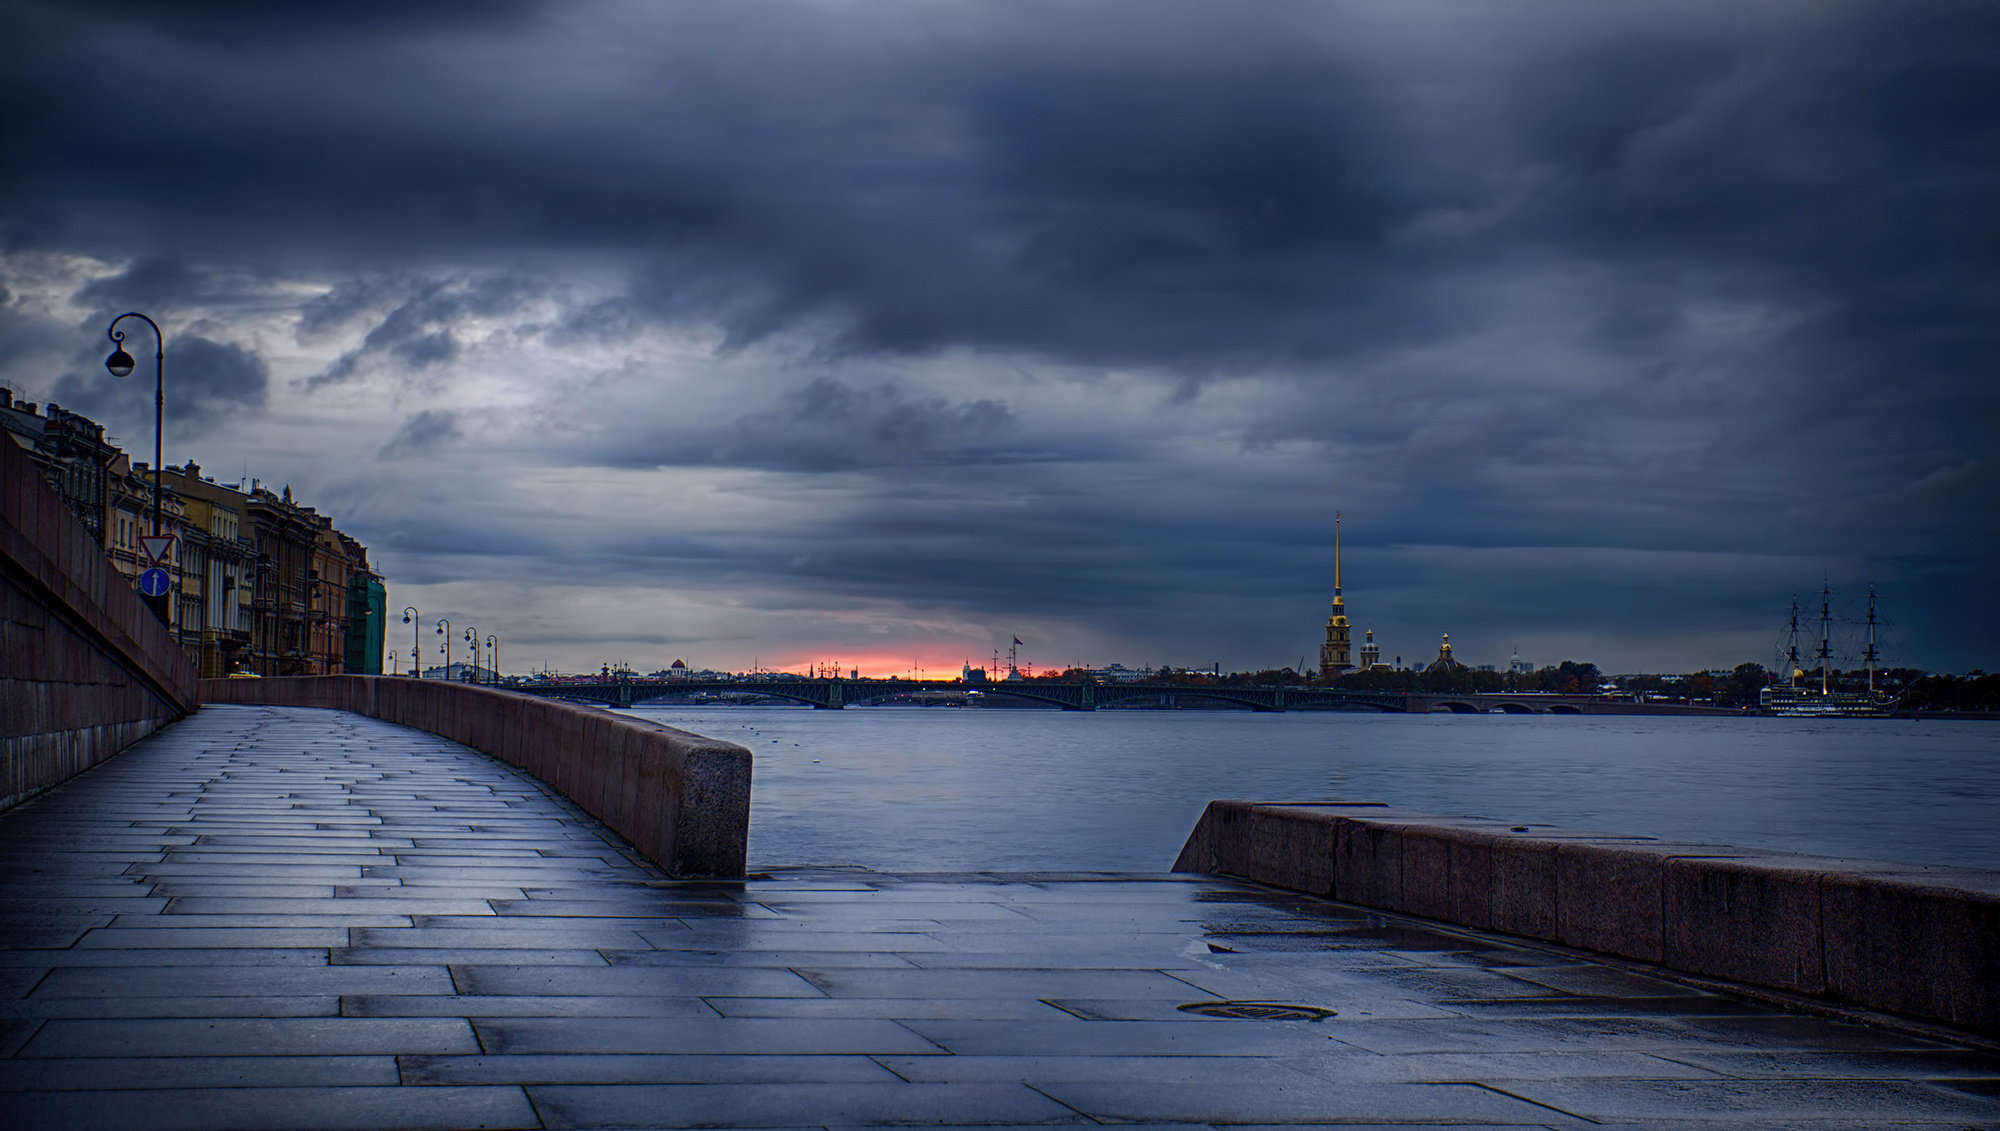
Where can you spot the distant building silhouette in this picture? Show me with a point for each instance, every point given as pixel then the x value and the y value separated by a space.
pixel 1444 662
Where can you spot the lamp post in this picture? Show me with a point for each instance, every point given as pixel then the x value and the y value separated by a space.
pixel 444 630
pixel 392 662
pixel 121 364
pixel 472 638
pixel 414 619
pixel 493 658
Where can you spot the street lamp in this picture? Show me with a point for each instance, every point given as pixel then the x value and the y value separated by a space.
pixel 121 364
pixel 414 619
pixel 392 662
pixel 493 658
pixel 444 630
pixel 472 638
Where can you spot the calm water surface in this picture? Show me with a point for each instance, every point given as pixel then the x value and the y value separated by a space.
pixel 941 789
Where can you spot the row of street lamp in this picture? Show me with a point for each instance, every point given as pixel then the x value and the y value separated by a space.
pixel 415 620
pixel 121 364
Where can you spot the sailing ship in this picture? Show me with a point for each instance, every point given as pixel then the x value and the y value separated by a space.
pixel 1796 698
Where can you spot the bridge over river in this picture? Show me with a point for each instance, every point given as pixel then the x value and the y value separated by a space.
pixel 834 694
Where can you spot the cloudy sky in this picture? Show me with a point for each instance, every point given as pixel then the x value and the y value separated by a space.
pixel 883 332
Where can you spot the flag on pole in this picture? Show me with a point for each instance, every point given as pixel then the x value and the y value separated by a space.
pixel 1017 640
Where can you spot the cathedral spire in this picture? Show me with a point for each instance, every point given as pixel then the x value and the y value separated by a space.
pixel 1336 557
pixel 1333 655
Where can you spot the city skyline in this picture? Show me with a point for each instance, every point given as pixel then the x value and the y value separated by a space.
pixel 796 332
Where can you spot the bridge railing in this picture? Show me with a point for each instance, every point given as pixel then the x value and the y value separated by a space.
pixel 680 798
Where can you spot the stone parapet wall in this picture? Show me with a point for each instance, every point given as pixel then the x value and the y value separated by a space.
pixel 85 668
pixel 1919 941
pixel 682 799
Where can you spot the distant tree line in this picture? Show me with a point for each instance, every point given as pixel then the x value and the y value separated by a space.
pixel 1923 691
pixel 1918 690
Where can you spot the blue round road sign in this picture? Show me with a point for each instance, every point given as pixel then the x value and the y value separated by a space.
pixel 155 582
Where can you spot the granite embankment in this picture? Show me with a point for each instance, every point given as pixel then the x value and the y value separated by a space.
pixel 680 798
pixel 85 668
pixel 1923 942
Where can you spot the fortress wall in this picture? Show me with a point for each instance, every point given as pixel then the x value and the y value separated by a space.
pixel 682 799
pixel 86 669
pixel 1919 941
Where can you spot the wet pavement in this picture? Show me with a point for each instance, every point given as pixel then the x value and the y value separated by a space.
pixel 283 917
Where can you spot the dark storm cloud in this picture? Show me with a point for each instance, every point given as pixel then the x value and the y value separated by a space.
pixel 421 434
pixel 417 328
pixel 1202 186
pixel 161 283
pixel 830 425
pixel 1543 276
pixel 204 381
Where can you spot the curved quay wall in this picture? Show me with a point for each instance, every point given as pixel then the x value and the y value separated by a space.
pixel 85 668
pixel 1918 941
pixel 682 799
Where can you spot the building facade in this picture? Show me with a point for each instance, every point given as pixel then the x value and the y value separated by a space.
pixel 72 452
pixel 258 583
pixel 367 614
pixel 217 551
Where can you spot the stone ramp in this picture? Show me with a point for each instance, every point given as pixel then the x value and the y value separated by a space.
pixel 287 917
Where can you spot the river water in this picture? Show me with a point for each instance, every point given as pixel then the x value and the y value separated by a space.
pixel 942 789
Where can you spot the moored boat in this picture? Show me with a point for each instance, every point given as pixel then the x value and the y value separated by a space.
pixel 1797 699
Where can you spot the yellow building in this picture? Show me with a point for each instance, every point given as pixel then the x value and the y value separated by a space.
pixel 215 553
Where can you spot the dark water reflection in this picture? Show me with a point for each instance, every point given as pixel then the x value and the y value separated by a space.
pixel 944 789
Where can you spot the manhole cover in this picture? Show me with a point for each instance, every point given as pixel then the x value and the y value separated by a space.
pixel 1257 1010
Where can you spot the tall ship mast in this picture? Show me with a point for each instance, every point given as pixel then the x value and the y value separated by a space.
pixel 1795 699
pixel 1792 670
pixel 1871 655
pixel 1825 640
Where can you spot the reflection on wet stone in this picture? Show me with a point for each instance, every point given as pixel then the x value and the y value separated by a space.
pixel 334 915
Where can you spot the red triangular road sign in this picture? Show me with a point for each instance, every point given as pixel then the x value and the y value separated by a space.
pixel 157 547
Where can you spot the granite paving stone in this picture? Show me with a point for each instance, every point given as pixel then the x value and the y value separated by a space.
pixel 290 1005
pixel 257 1109
pixel 1029 983
pixel 818 959
pixel 640 1068
pixel 253 981
pixel 649 981
pixel 162 936
pixel 781 1104
pixel 1891 1064
pixel 1613 1100
pixel 973 1008
pixel 722 1035
pixel 293 918
pixel 543 1005
pixel 462 956
pixel 1306 1101
pixel 249 1036
pixel 90 1073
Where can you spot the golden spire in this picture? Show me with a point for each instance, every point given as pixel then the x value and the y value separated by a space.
pixel 1336 558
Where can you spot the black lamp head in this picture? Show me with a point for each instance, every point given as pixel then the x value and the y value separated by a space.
pixel 119 363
